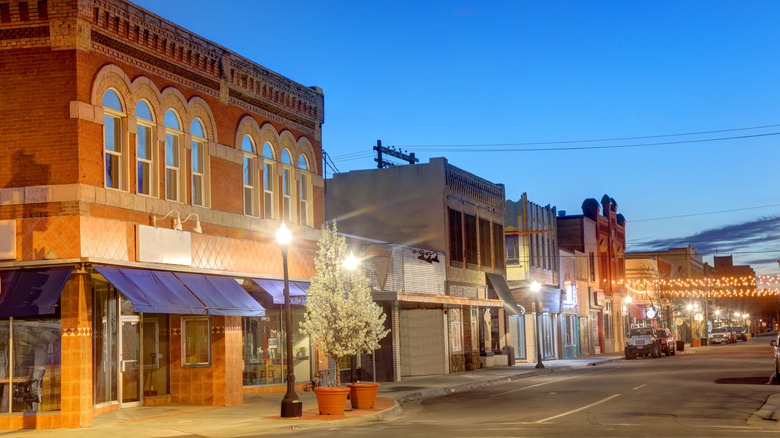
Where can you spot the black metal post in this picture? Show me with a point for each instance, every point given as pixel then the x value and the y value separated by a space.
pixel 539 363
pixel 291 404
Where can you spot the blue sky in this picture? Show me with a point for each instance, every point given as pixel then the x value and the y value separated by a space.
pixel 430 77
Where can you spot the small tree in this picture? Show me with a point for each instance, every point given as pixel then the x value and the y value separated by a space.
pixel 341 319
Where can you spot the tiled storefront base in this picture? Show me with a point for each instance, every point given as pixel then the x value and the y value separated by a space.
pixel 274 388
pixel 30 420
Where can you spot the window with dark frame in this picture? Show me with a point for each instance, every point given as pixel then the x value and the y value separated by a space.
pixel 485 251
pixel 498 246
pixel 456 236
pixel 470 229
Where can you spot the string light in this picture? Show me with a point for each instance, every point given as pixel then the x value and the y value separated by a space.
pixel 747 286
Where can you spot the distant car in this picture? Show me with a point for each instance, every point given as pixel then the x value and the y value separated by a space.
pixel 666 339
pixel 776 353
pixel 721 335
pixel 741 333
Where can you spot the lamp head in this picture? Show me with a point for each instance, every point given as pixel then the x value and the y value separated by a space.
pixel 629 299
pixel 177 224
pixel 351 262
pixel 535 286
pixel 283 235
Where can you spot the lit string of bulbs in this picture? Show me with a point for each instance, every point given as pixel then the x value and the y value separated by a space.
pixel 758 286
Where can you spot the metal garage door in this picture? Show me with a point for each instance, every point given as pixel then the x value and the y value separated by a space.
pixel 423 342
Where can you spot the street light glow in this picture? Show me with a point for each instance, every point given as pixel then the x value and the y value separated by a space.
pixel 535 286
pixel 283 235
pixel 629 300
pixel 351 262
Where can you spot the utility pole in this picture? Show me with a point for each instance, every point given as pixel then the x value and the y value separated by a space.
pixel 382 163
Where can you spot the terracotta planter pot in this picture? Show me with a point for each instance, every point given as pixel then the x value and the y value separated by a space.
pixel 362 394
pixel 331 399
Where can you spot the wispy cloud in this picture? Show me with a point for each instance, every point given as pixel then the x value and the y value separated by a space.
pixel 758 241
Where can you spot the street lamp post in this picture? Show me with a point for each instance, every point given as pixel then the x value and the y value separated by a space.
pixel 351 263
pixel 690 318
pixel 291 404
pixel 536 288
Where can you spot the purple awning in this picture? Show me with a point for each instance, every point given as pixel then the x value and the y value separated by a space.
pixel 25 292
pixel 153 291
pixel 275 288
pixel 221 295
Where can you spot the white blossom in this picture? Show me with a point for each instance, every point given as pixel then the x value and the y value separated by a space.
pixel 341 319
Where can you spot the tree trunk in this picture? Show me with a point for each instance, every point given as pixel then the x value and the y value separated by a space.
pixel 336 370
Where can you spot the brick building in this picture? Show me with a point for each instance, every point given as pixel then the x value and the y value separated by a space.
pixel 118 126
pixel 600 235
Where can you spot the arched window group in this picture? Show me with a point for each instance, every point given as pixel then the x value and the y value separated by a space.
pixel 149 136
pixel 285 193
pixel 170 159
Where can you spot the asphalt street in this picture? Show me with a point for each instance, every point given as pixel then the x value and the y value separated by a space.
pixel 713 393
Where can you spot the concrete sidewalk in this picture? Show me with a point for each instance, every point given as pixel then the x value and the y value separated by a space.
pixel 260 412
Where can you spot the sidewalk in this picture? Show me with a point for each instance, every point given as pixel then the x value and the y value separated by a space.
pixel 260 412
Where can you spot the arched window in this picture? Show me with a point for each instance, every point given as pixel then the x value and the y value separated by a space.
pixel 113 140
pixel 269 178
pixel 287 187
pixel 304 191
pixel 199 164
pixel 248 146
pixel 145 150
pixel 173 160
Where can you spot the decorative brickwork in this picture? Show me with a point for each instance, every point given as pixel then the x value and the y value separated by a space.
pixel 457 362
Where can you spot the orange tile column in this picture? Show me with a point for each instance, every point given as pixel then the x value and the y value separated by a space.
pixel 77 351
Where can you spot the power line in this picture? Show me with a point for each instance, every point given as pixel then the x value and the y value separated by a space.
pixel 701 214
pixel 479 148
pixel 597 140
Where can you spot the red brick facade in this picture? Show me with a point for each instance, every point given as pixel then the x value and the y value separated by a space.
pixel 57 60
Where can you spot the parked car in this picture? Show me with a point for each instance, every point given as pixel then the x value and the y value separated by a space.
pixel 741 333
pixel 733 334
pixel 776 353
pixel 642 342
pixel 721 335
pixel 666 339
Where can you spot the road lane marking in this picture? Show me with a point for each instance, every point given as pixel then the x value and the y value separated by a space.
pixel 532 386
pixel 544 383
pixel 640 386
pixel 578 409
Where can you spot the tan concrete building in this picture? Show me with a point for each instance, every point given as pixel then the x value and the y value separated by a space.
pixel 439 208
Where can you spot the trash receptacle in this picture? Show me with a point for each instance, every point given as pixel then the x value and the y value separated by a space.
pixel 680 345
pixel 703 342
pixel 510 352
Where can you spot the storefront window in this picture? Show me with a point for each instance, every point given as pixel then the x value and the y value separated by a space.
pixel 34 366
pixel 156 345
pixel 196 338
pixel 265 348
pixel 456 329
pixel 104 347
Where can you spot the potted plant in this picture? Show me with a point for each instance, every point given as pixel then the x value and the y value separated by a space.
pixel 341 319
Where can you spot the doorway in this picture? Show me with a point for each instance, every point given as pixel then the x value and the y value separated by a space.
pixel 117 346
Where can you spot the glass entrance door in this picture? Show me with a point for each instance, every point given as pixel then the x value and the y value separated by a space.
pixel 130 361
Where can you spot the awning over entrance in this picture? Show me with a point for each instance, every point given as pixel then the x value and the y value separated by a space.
pixel 26 292
pixel 221 295
pixel 153 291
pixel 502 290
pixel 275 288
